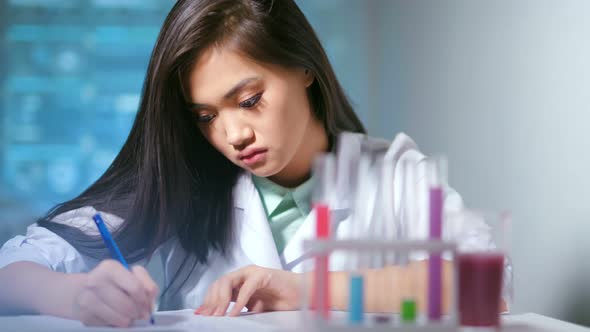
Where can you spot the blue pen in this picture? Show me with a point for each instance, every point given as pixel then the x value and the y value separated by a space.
pixel 112 246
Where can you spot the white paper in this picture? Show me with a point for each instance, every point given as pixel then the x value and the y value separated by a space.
pixel 170 321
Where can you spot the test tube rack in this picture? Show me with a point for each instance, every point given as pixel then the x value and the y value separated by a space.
pixel 338 323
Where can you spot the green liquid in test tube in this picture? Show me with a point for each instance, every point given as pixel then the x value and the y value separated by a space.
pixel 408 310
pixel 408 301
pixel 408 216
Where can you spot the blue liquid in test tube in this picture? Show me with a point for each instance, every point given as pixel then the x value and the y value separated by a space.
pixel 355 304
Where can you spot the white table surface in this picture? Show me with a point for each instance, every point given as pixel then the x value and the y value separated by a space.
pixel 272 321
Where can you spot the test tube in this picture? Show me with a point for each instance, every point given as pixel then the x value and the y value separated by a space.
pixel 324 173
pixel 381 227
pixel 407 216
pixel 360 174
pixel 322 280
pixel 407 291
pixel 361 208
pixel 409 208
pixel 356 299
pixel 436 170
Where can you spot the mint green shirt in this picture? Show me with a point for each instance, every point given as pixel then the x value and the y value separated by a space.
pixel 286 208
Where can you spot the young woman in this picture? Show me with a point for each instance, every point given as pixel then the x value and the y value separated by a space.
pixel 214 179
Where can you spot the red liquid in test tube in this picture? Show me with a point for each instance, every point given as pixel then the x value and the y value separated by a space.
pixel 321 300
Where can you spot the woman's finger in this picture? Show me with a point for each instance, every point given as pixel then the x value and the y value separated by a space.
pixel 99 313
pixel 112 317
pixel 85 304
pixel 221 292
pixel 246 291
pixel 148 283
pixel 255 306
pixel 128 282
pixel 93 320
pixel 205 309
pixel 120 302
pixel 224 293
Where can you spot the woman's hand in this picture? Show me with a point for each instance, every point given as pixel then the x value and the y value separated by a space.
pixel 114 296
pixel 254 287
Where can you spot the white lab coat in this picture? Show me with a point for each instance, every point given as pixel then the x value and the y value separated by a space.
pixel 254 243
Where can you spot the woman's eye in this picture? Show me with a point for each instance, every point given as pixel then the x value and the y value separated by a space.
pixel 251 102
pixel 205 118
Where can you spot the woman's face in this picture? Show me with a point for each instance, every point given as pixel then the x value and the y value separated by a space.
pixel 257 115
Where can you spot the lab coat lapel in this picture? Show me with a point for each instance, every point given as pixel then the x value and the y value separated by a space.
pixel 255 237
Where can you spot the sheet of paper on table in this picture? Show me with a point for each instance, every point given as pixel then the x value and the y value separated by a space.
pixel 166 321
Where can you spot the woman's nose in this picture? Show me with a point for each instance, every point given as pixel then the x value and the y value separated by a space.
pixel 238 133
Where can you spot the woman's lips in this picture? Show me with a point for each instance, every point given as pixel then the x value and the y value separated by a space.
pixel 253 157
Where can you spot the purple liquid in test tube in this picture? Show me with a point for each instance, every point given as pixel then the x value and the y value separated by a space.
pixel 435 261
pixel 436 173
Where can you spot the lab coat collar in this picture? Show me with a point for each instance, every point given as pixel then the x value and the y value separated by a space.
pixel 254 234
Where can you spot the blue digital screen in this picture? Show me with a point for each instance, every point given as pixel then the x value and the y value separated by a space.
pixel 71 73
pixel 71 77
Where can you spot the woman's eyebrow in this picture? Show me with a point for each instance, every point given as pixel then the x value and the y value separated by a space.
pixel 231 93
pixel 239 86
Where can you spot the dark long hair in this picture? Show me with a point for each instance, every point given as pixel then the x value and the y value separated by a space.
pixel 167 180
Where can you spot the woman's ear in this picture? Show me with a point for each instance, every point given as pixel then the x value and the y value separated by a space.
pixel 309 78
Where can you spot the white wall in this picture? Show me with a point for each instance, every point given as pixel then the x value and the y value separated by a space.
pixel 502 87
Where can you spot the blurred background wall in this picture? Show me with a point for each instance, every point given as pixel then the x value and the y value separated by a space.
pixel 501 87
